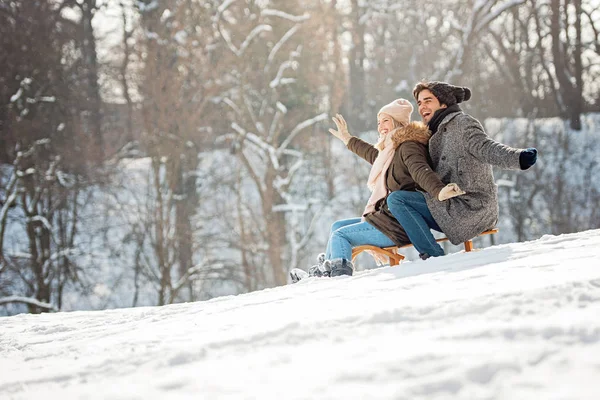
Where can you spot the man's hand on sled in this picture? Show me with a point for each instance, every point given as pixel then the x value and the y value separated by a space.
pixel 342 129
pixel 449 191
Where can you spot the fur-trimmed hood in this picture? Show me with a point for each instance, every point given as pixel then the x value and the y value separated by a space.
pixel 415 132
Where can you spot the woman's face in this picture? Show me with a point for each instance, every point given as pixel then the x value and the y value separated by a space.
pixel 385 124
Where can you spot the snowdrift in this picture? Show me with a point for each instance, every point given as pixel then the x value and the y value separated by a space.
pixel 515 321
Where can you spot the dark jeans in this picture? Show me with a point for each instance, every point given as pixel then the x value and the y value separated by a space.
pixel 410 209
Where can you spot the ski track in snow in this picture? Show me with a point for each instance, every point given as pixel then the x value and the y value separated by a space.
pixel 515 321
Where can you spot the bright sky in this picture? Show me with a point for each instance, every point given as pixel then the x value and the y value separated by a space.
pixel 517 321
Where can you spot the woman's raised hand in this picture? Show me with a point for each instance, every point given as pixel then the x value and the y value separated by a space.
pixel 342 129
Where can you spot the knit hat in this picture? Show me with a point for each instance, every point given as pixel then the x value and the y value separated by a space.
pixel 399 109
pixel 449 94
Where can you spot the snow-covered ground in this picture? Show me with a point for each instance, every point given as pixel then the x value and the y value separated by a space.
pixel 515 321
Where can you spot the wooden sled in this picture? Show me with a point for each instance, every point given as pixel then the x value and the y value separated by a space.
pixel 393 252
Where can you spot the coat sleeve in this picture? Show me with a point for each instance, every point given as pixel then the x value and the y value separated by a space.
pixel 363 149
pixel 414 156
pixel 487 150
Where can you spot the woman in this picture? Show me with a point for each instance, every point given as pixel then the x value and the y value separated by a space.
pixel 399 162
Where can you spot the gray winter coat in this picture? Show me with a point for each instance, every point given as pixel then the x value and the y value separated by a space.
pixel 461 152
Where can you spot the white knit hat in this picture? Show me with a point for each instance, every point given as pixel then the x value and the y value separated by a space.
pixel 399 109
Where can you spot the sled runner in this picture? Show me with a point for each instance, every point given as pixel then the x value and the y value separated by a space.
pixel 393 252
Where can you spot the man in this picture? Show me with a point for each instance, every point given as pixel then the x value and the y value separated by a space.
pixel 460 152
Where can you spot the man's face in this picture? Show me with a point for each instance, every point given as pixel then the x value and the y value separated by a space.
pixel 428 105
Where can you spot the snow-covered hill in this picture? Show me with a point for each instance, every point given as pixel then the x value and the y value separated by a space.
pixel 516 321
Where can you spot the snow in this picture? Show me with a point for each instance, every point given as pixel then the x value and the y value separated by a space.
pixel 254 33
pixel 225 5
pixel 16 96
pixel 280 43
pixel 281 107
pixel 25 300
pixel 282 14
pixel 143 7
pixel 299 128
pixel 43 220
pixel 515 321
pixel 285 65
pixel 181 37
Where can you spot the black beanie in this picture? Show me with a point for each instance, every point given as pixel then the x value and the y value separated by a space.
pixel 449 94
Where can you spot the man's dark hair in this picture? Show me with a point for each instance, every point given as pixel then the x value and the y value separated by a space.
pixel 419 87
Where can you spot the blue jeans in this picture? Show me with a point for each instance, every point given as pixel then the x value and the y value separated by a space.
pixel 410 209
pixel 349 233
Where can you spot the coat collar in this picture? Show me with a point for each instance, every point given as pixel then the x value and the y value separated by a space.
pixel 415 132
pixel 449 118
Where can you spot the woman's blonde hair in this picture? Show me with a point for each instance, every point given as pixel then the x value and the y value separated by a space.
pixel 396 123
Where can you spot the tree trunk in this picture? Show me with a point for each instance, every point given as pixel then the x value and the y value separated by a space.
pixel 160 225
pixel 40 253
pixel 185 207
pixel 336 94
pixel 124 67
pixel 570 100
pixel 577 106
pixel 91 64
pixel 276 229
pixel 250 277
pixel 356 58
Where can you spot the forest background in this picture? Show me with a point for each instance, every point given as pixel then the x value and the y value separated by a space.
pixel 161 151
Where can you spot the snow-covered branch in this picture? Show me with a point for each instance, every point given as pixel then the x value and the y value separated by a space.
pixel 281 183
pixel 479 18
pixel 43 220
pixel 257 124
pixel 285 65
pixel 262 145
pixel 143 7
pixel 233 106
pixel 225 5
pixel 489 17
pixel 257 30
pixel 55 256
pixel 290 207
pixel 278 45
pixel 189 273
pixel 281 110
pixel 299 128
pixel 26 300
pixel 255 139
pixel 282 14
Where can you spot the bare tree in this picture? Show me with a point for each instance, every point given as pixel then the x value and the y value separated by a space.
pixel 566 54
pixel 36 183
pixel 40 84
pixel 264 128
pixel 180 79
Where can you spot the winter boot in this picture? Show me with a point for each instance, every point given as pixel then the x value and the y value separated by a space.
pixel 297 274
pixel 341 266
pixel 322 268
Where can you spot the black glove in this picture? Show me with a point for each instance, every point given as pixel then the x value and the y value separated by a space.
pixel 528 157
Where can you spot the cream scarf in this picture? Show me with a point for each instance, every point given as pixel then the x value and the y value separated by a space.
pixel 376 181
